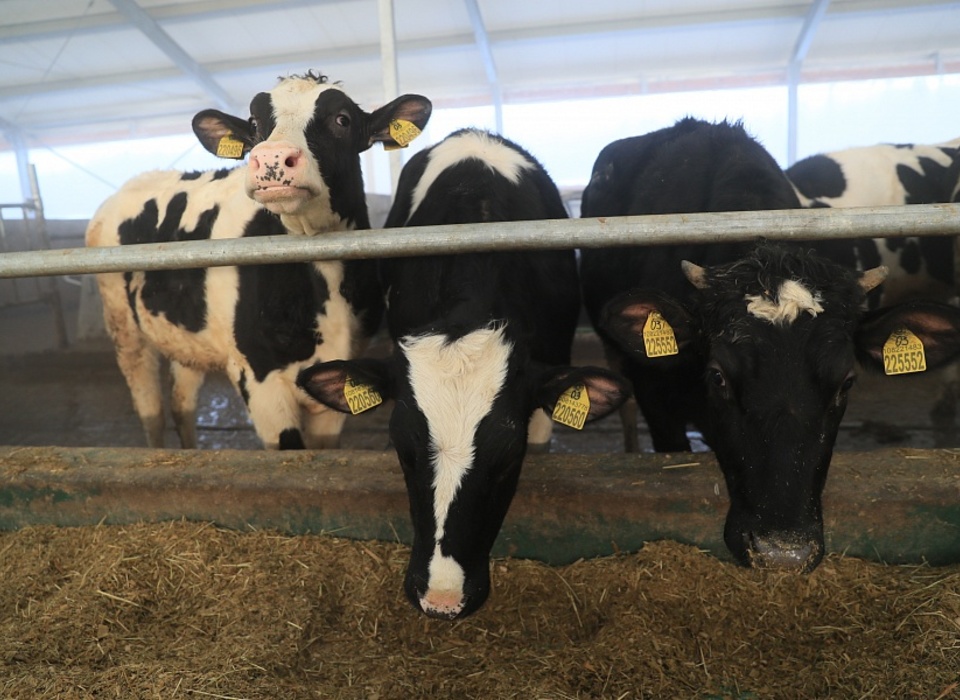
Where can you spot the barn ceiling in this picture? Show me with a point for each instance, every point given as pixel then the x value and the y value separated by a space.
pixel 87 70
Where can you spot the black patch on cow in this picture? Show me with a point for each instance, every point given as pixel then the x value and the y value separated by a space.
pixel 242 386
pixel 177 294
pixel 221 173
pixel 818 176
pixel 929 186
pixel 192 175
pixel 290 439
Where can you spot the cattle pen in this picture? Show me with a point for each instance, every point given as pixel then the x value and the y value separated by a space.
pixel 897 505
pixel 601 514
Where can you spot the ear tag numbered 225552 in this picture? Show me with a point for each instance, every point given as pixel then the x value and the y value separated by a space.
pixel 402 132
pixel 658 337
pixel 903 353
pixel 229 147
pixel 360 397
pixel 573 407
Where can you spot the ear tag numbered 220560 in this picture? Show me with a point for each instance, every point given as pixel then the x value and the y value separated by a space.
pixel 402 132
pixel 229 147
pixel 572 407
pixel 360 397
pixel 903 353
pixel 658 337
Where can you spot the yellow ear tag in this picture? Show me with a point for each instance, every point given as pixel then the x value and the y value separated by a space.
pixel 360 397
pixel 573 407
pixel 403 132
pixel 229 147
pixel 658 337
pixel 903 353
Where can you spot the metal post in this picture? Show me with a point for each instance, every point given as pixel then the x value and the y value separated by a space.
pixel 391 76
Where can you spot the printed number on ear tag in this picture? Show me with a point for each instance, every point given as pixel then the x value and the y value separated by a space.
pixel 658 337
pixel 360 397
pixel 403 132
pixel 573 407
pixel 903 353
pixel 229 147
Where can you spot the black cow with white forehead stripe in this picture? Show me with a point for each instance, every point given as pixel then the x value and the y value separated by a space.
pixel 483 341
pixel 775 336
pixel 260 324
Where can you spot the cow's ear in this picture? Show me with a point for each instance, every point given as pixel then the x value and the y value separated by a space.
pixel 398 123
pixel 937 326
pixel 603 389
pixel 348 386
pixel 627 317
pixel 225 136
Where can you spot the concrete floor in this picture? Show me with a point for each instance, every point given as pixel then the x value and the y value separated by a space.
pixel 77 397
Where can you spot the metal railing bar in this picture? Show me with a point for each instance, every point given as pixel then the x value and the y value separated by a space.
pixel 702 228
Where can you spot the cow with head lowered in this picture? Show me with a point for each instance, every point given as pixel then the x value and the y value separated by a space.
pixel 260 324
pixel 763 340
pixel 482 349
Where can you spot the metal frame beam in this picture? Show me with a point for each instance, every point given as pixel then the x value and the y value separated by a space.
pixel 482 40
pixel 155 33
pixel 809 29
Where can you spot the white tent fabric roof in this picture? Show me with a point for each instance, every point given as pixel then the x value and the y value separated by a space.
pixel 78 71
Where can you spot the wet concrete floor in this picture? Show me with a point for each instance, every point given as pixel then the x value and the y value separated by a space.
pixel 77 397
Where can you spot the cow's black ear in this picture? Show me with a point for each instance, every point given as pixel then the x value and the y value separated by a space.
pixel 348 386
pixel 396 124
pixel 936 325
pixel 625 317
pixel 225 136
pixel 605 390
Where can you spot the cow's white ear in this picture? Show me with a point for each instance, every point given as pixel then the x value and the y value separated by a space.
pixel 696 274
pixel 873 277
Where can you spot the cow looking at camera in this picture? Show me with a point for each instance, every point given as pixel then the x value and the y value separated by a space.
pixel 482 341
pixel 260 324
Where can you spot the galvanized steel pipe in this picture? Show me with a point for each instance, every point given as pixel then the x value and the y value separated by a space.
pixel 790 224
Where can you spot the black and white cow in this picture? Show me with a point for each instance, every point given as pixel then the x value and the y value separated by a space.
pixel 891 175
pixel 259 324
pixel 482 341
pixel 764 353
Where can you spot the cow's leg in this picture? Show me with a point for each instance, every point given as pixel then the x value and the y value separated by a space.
pixel 322 428
pixel 183 402
pixel 138 361
pixel 540 430
pixel 141 368
pixel 274 411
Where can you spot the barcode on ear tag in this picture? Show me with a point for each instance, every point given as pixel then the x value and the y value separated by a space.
pixel 229 147
pixel 573 407
pixel 360 397
pixel 658 337
pixel 903 353
pixel 402 132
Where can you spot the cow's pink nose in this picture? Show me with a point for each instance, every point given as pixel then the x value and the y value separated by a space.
pixel 275 162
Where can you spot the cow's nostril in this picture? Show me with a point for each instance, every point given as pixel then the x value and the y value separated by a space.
pixel 290 161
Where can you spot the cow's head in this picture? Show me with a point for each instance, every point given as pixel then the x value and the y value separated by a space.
pixel 777 336
pixel 304 138
pixel 459 425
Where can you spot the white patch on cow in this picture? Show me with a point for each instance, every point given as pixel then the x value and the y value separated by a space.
pixel 454 385
pixel 792 300
pixel 470 144
pixel 293 103
pixel 445 585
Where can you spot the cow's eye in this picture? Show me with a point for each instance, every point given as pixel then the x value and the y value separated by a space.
pixel 343 120
pixel 848 382
pixel 716 377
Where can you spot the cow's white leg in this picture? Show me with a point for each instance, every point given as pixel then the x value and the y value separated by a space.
pixel 138 361
pixel 274 411
pixel 322 428
pixel 183 402
pixel 540 430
